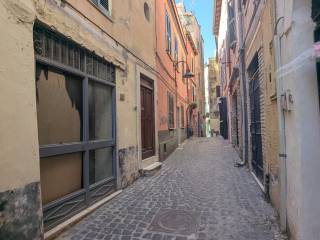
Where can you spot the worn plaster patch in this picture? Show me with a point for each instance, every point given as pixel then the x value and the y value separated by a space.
pixel 19 11
pixel 128 165
pixel 20 213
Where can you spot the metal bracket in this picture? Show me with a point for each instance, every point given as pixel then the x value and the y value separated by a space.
pixel 283 155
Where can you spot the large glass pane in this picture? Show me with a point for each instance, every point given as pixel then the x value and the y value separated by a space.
pixel 100 111
pixel 60 175
pixel 100 164
pixel 59 107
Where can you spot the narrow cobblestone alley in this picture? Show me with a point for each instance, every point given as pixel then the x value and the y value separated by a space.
pixel 198 194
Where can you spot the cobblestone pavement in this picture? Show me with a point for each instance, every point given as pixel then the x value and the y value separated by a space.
pixel 198 194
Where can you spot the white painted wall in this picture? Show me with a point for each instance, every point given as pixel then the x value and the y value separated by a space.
pixel 302 123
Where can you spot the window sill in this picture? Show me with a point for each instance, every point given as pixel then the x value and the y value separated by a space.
pixel 103 12
pixel 171 129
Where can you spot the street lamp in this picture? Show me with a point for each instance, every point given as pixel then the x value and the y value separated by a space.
pixel 188 74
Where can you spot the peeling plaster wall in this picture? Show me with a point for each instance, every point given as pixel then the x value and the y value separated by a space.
pixel 118 40
pixel 20 206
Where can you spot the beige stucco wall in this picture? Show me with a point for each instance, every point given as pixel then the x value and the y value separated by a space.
pixel 117 39
pixel 19 158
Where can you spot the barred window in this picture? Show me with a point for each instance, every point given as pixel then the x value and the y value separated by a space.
pixel 170 111
pixel 52 46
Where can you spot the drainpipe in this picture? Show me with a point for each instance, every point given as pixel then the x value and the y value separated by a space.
pixel 281 121
pixel 243 86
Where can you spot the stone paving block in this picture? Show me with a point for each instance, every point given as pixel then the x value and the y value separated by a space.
pixel 221 202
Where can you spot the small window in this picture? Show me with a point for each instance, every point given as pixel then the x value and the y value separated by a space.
pixel 168 33
pixel 176 49
pixel 103 5
pixel 170 111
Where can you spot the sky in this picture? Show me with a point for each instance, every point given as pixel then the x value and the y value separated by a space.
pixel 203 9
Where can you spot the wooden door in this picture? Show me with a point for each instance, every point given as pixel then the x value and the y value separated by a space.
pixel 147 118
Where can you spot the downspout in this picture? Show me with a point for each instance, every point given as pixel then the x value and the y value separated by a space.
pixel 243 85
pixel 281 121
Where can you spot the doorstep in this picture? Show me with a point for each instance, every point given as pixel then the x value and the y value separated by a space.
pixel 59 229
pixel 152 169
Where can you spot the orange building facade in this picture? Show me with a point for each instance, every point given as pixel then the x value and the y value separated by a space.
pixel 175 56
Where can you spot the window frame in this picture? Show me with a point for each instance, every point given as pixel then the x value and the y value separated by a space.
pixel 168 33
pixel 176 48
pixel 88 194
pixel 182 117
pixel 102 9
pixel 170 111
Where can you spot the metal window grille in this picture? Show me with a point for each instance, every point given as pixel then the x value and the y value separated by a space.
pixel 52 46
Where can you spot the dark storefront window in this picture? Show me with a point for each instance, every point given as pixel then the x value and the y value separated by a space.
pixel 75 92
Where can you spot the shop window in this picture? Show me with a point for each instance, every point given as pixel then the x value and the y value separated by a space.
pixel 75 92
pixel 100 111
pixel 59 107
pixel 100 165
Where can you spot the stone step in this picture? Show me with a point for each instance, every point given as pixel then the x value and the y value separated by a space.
pixel 151 169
